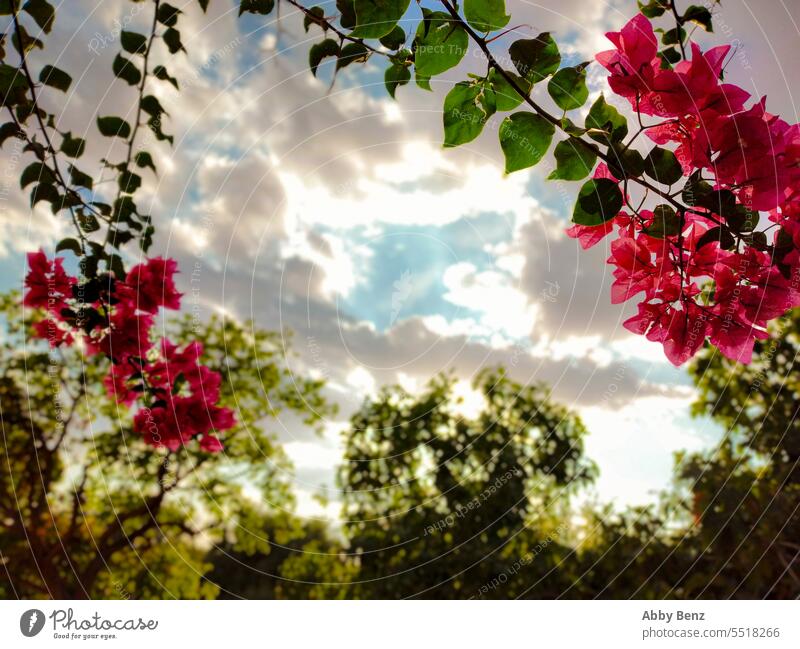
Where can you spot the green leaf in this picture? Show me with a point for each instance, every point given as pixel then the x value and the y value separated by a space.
pixel 396 75
pixel 463 114
pixel 507 97
pixel 116 266
pixel 23 41
pixel 652 9
pixel 570 128
pixel 376 18
pixel 52 76
pixel 741 219
pixel 524 138
pixel 114 127
pixel 144 159
pixel 172 38
pixel 45 192
pixel 154 124
pixel 124 209
pixel 666 223
pixel 721 235
pixel 152 106
pixel 394 39
pixel 313 17
pixel 88 266
pixel 669 56
pixel 699 15
pixel 126 70
pixel 36 172
pixel 440 44
pixel 12 80
pixel 319 51
pixel 161 73
pixel 42 12
pixel 724 203
pixel 69 244
pixel 696 191
pixel 599 200
pixel 167 14
pixel 574 160
pixel 486 15
pixel 568 87
pixel 146 240
pixel 662 166
pixel 72 147
pixel 261 7
pixel 535 58
pixel 103 208
pixel 120 237
pixel 347 12
pixel 77 177
pixel 9 130
pixel 87 221
pixel 351 53
pixel 133 43
pixel 674 36
pixel 624 161
pixel 129 182
pixel 605 122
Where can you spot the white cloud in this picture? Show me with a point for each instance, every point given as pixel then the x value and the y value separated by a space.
pixel 503 307
pixel 634 445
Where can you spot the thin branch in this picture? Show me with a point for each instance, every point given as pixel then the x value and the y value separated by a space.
pixel 137 125
pixel 32 87
pixel 324 22
pixel 678 27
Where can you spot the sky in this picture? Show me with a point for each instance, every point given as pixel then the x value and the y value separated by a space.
pixel 333 212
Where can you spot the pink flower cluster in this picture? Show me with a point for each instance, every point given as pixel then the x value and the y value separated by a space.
pixel 178 395
pixel 748 161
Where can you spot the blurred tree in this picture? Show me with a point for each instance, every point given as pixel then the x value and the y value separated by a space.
pixel 440 505
pixel 89 510
pixel 630 553
pixel 744 496
pixel 276 574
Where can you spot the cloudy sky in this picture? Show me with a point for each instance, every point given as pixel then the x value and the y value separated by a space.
pixel 335 213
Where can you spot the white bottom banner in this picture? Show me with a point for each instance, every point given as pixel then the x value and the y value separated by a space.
pixel 390 625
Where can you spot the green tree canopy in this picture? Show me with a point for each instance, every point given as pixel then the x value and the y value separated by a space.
pixel 89 510
pixel 436 504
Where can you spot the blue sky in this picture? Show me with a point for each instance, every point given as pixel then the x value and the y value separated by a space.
pixel 335 212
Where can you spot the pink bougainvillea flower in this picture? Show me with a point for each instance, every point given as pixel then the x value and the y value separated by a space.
pixel 210 444
pixel 635 270
pixel 686 333
pixel 118 386
pixel 53 332
pixel 178 396
pixel 153 285
pixel 47 282
pixel 125 336
pixel 590 235
pixel 633 64
pixel 748 155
